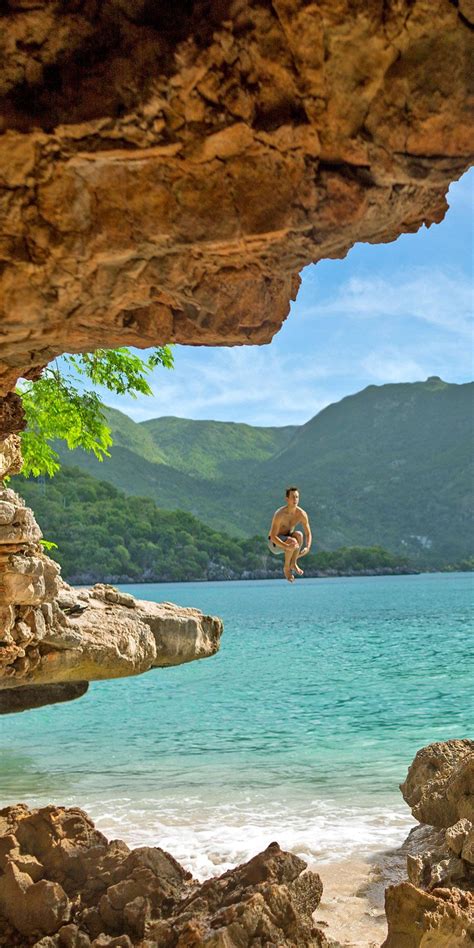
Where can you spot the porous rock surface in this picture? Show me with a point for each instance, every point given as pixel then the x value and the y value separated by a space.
pixel 440 783
pixel 57 638
pixel 167 170
pixel 435 907
pixel 63 885
pixel 443 918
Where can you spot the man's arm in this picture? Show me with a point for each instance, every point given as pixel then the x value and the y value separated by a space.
pixel 274 534
pixel 307 531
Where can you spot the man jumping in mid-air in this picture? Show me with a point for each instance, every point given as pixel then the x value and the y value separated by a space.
pixel 283 538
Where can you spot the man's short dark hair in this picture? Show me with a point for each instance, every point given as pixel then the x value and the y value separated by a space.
pixel 289 489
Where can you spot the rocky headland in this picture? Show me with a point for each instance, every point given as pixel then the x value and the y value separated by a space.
pixel 54 639
pixel 64 885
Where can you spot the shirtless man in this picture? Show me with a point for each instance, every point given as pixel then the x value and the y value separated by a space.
pixel 283 538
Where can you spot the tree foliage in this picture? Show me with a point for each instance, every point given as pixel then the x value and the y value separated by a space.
pixel 58 406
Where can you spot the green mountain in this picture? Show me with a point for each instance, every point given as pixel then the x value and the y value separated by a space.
pixel 199 466
pixel 103 535
pixel 391 466
pixel 214 450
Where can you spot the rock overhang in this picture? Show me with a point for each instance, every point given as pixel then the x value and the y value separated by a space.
pixel 165 179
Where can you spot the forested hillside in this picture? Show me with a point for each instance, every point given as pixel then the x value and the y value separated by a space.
pixel 103 535
pixel 391 465
pixel 199 466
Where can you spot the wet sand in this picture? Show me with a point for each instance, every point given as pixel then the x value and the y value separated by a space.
pixel 351 911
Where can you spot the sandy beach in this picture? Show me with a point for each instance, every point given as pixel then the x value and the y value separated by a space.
pixel 351 910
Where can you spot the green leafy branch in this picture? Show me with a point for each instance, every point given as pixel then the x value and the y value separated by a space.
pixel 49 545
pixel 56 408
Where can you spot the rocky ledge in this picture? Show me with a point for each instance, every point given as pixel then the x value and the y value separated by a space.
pixel 55 639
pixel 63 885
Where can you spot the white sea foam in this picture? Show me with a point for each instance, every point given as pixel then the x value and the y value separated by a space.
pixel 210 840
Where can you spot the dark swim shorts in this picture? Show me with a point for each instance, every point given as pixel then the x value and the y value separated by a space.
pixel 277 549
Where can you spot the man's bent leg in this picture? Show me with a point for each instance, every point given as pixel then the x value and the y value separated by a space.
pixel 298 536
pixel 290 552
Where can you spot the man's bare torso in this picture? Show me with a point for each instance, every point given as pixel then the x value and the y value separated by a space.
pixel 287 520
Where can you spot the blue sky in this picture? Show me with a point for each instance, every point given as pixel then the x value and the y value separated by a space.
pixel 394 312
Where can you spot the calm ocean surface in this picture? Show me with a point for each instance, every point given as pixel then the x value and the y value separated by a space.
pixel 299 730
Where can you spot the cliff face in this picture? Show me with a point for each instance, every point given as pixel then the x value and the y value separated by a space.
pixel 164 176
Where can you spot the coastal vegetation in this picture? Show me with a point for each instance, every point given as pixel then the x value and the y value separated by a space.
pixel 104 536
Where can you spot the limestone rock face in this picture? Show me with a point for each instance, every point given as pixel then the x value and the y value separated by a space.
pixel 181 635
pixel 28 585
pixel 12 420
pixel 440 783
pixel 164 176
pixel 435 909
pixel 112 634
pixel 443 918
pixel 62 881
pixel 447 861
pixel 10 455
pixel 84 637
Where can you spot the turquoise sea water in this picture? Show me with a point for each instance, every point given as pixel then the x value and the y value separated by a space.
pixel 299 730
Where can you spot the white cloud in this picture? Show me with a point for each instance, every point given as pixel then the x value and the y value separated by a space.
pixel 411 362
pixel 265 386
pixel 461 193
pixel 391 365
pixel 442 298
pixel 253 384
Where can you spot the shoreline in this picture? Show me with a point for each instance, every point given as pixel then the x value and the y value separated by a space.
pixel 363 574
pixel 352 908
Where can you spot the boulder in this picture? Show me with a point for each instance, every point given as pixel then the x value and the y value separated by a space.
pixel 435 908
pixel 99 893
pixel 440 783
pixel 32 907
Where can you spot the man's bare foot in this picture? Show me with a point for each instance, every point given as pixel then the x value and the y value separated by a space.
pixel 298 570
pixel 289 575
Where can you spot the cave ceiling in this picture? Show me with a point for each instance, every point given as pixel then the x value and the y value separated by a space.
pixel 167 170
